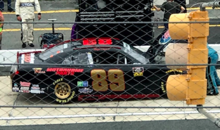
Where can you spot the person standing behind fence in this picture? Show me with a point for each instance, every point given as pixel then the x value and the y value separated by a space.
pixel 182 3
pixel 24 10
pixel 169 7
pixel 1 28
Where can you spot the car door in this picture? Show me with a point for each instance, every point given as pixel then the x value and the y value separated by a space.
pixel 113 75
pixel 142 81
pixel 118 80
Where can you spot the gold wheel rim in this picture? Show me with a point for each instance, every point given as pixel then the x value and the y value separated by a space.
pixel 62 90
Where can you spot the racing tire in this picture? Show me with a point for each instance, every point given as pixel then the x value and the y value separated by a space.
pixel 62 92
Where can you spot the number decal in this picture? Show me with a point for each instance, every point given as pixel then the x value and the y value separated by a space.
pixel 99 82
pixel 115 78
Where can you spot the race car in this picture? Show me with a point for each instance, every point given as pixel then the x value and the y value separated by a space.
pixel 90 69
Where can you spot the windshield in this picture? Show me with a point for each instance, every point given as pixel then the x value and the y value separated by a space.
pixel 56 50
pixel 131 51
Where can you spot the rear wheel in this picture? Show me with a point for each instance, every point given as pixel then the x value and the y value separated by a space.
pixel 62 92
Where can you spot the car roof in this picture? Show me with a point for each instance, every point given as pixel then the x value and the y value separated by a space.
pixel 96 44
pixel 104 43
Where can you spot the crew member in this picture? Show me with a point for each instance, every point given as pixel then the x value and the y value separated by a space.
pixel 169 7
pixel 182 3
pixel 24 10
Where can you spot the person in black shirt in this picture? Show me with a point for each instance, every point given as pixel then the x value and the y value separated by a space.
pixel 169 7
pixel 182 3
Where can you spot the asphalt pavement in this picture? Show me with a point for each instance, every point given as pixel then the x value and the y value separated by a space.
pixel 150 125
pixel 61 10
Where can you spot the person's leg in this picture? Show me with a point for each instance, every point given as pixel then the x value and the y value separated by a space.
pixel 30 36
pixel 213 78
pixel 1 5
pixel 24 34
pixel 213 74
pixel 165 26
pixel 215 60
pixel 217 78
pixel 73 32
pixel 9 6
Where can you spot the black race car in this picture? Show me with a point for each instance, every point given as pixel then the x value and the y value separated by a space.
pixel 90 69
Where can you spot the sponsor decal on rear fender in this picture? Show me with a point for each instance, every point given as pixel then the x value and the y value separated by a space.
pixel 25 87
pixel 163 87
pixel 138 71
pixel 38 71
pixel 25 84
pixel 35 89
pixel 163 83
pixel 82 84
pixel 174 70
pixel 15 88
pixel 85 90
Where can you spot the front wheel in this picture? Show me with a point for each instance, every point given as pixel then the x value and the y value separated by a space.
pixel 62 92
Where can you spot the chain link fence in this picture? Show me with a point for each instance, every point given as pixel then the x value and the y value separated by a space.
pixel 111 61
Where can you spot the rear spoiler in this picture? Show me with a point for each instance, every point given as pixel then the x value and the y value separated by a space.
pixel 19 54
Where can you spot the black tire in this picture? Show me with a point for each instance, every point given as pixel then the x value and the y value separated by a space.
pixel 62 91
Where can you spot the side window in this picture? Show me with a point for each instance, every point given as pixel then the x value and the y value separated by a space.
pixel 110 57
pixel 121 59
pixel 104 57
pixel 80 58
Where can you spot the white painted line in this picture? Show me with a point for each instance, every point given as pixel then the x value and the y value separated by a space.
pixel 104 115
